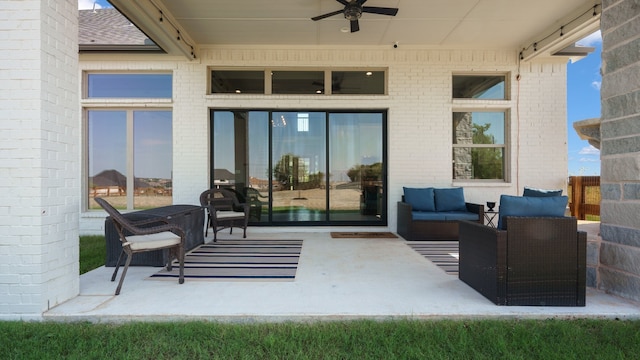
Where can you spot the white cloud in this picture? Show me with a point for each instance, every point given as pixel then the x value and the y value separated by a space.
pixel 591 40
pixel 596 84
pixel 589 160
pixel 589 150
pixel 88 4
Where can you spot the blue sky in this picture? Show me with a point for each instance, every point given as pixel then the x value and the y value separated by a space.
pixel 583 100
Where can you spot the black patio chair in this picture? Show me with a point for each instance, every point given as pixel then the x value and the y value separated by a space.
pixel 224 211
pixel 141 236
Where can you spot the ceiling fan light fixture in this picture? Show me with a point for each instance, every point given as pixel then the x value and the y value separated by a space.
pixel 352 12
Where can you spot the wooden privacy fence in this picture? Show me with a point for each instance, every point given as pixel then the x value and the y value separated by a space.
pixel 584 196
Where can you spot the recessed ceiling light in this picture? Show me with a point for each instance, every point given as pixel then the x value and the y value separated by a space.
pixel 238 91
pixel 345 29
pixel 369 73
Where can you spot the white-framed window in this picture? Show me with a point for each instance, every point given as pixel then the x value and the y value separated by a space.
pixel 128 146
pixel 480 122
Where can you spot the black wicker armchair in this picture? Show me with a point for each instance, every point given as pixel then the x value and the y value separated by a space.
pixel 145 235
pixel 538 261
pixel 224 211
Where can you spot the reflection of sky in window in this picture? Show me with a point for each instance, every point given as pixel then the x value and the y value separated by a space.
pixel 288 139
pixel 129 86
pixel 107 141
pixel 153 147
pixel 356 139
pixel 152 143
pixel 223 141
pixel 496 122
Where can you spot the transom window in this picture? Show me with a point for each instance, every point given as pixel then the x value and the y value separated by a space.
pixel 298 82
pixel 110 85
pixel 479 87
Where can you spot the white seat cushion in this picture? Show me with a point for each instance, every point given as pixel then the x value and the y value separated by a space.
pixel 153 241
pixel 229 214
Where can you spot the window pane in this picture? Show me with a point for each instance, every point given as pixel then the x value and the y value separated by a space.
pixel 107 155
pixel 478 127
pixel 297 82
pixel 355 166
pixel 478 163
pixel 478 87
pixel 130 86
pixel 152 155
pixel 237 81
pixel 357 82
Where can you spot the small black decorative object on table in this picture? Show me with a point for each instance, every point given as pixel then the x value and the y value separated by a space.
pixel 490 215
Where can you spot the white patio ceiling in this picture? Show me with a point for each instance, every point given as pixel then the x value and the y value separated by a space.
pixel 493 24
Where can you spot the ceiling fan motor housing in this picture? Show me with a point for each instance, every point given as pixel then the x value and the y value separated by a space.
pixel 352 12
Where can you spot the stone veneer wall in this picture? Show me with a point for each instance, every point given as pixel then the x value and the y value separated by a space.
pixel 619 270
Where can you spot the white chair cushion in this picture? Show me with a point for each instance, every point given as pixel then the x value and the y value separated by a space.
pixel 153 241
pixel 229 214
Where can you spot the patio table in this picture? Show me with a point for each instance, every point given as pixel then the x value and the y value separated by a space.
pixel 190 217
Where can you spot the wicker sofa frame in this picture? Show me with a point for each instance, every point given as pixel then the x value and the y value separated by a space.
pixel 536 261
pixel 412 230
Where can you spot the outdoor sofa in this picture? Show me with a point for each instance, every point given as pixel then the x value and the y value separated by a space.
pixel 535 257
pixel 433 213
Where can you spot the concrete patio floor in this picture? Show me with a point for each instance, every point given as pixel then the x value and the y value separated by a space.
pixel 337 279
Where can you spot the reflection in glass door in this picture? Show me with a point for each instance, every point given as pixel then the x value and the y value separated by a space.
pixel 294 167
pixel 355 163
pixel 299 168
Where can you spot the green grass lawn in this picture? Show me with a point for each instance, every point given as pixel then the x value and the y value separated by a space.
pixel 93 252
pixel 401 339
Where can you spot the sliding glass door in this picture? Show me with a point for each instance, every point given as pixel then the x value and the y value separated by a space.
pixel 302 167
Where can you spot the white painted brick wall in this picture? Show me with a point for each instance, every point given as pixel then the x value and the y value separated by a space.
pixel 39 157
pixel 419 113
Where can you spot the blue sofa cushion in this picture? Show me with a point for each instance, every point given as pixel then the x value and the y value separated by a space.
pixel 460 215
pixel 554 206
pixel 541 192
pixel 450 199
pixel 428 215
pixel 420 199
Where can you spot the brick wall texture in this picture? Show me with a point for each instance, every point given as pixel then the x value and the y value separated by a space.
pixel 619 271
pixel 39 157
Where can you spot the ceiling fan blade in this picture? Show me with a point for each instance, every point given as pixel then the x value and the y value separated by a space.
pixel 320 17
pixel 343 2
pixel 354 26
pixel 380 10
pixel 360 2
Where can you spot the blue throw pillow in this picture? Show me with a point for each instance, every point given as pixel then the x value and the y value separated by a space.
pixel 420 199
pixel 553 206
pixel 541 192
pixel 450 199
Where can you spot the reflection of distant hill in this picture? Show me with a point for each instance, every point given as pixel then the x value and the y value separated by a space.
pixel 223 174
pixel 109 178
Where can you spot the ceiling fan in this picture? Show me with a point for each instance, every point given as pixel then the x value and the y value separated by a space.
pixel 353 10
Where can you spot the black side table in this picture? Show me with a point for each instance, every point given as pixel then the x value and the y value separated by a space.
pixel 490 216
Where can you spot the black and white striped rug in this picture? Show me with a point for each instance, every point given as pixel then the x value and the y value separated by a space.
pixel 442 253
pixel 239 260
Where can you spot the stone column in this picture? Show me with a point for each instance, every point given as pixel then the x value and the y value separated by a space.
pixel 39 156
pixel 619 271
